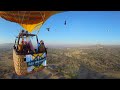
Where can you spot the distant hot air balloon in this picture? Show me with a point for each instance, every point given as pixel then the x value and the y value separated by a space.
pixel 65 22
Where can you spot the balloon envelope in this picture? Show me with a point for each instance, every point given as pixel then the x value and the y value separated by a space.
pixel 29 20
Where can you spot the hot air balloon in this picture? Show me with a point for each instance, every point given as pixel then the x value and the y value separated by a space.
pixel 26 59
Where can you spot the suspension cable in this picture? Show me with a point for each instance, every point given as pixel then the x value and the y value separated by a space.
pixel 43 18
pixel 9 15
pixel 23 18
pixel 28 18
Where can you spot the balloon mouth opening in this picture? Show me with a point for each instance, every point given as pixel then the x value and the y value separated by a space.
pixel 32 27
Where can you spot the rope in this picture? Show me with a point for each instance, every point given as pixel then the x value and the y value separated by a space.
pixel 18 17
pixel 12 35
pixel 28 18
pixel 38 28
pixel 16 20
pixel 43 18
pixel 23 17
pixel 9 16
pixel 35 27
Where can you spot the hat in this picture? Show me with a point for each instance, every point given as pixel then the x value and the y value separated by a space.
pixel 41 41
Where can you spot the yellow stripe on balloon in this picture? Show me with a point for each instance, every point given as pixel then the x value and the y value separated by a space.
pixel 31 27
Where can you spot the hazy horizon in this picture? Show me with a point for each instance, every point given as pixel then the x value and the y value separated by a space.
pixel 47 44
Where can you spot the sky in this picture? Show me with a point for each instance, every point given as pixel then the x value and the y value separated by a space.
pixel 82 27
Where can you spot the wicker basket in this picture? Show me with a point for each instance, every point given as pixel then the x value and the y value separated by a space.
pixel 20 65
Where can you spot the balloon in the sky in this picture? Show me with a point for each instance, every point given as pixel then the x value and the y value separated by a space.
pixel 29 20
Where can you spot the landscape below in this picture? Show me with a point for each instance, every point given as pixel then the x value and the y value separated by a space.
pixel 81 62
